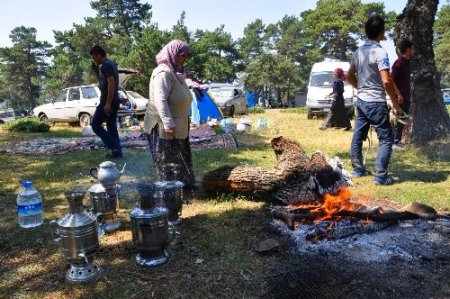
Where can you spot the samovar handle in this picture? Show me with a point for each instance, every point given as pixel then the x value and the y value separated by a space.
pixel 92 170
pixel 123 169
pixel 54 222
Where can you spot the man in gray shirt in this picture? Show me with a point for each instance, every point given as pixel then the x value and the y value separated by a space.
pixel 369 73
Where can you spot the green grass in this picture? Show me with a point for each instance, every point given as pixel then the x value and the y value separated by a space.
pixel 222 228
pixel 256 110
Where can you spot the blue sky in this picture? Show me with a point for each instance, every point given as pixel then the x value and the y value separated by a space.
pixel 48 15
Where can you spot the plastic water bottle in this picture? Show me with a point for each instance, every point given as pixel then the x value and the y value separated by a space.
pixel 29 206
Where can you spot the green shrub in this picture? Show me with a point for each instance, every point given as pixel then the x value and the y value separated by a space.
pixel 294 110
pixel 256 110
pixel 27 124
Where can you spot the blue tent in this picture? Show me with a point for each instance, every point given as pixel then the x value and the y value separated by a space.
pixel 251 99
pixel 203 107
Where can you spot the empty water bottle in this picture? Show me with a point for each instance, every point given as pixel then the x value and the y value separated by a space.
pixel 29 206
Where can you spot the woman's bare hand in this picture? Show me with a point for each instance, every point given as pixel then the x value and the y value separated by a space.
pixel 170 132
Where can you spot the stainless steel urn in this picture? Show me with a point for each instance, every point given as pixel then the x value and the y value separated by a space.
pixel 172 190
pixel 149 228
pixel 78 238
pixel 104 204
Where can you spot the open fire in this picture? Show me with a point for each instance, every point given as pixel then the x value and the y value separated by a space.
pixel 337 216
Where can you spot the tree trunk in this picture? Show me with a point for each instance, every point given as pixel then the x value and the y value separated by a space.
pixel 295 178
pixel 429 119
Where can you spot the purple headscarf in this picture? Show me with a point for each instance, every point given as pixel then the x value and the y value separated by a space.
pixel 169 56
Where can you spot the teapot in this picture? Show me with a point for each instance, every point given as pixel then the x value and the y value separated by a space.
pixel 107 174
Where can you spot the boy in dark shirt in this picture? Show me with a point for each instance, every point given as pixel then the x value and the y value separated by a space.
pixel 401 72
pixel 109 102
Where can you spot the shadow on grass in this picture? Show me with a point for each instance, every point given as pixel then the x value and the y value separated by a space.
pixel 212 261
pixel 428 164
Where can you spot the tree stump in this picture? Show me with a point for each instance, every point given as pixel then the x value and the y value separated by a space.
pixel 294 179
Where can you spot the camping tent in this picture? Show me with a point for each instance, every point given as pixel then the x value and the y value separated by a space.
pixel 203 107
pixel 251 101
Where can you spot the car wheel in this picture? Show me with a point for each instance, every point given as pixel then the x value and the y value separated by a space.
pixel 232 111
pixel 43 118
pixel 309 115
pixel 85 120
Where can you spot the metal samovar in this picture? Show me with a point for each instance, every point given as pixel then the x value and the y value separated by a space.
pixel 107 174
pixel 172 190
pixel 149 228
pixel 105 195
pixel 78 238
pixel 104 204
pixel 172 193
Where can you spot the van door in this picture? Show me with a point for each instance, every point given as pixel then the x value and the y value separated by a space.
pixel 56 109
pixel 72 104
pixel 90 98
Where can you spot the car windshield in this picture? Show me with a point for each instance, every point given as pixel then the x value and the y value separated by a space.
pixel 135 94
pixel 222 93
pixel 321 79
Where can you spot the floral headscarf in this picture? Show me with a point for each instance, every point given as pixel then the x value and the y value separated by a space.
pixel 169 56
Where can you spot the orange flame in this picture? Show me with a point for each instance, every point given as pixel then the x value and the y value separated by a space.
pixel 334 203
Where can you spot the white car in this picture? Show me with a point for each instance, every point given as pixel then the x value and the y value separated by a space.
pixel 77 104
pixel 230 100
pixel 9 114
pixel 139 102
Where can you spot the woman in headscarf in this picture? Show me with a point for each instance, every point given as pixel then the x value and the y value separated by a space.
pixel 166 122
pixel 337 117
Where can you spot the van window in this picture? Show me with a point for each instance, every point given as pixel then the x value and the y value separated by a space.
pixel 321 79
pixel 62 96
pixel 88 92
pixel 74 94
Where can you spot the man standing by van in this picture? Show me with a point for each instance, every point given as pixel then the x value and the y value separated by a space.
pixel 401 72
pixel 109 102
pixel 369 73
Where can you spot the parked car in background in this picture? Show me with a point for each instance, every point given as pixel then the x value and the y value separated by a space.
pixel 321 84
pixel 446 96
pixel 8 114
pixel 77 104
pixel 230 100
pixel 138 102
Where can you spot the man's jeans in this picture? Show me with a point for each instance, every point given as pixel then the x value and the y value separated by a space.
pixel 110 137
pixel 375 114
pixel 398 130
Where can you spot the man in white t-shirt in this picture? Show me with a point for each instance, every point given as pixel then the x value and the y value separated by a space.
pixel 369 73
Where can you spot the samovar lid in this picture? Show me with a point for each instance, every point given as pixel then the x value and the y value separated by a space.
pixel 162 185
pixel 153 213
pixel 76 220
pixel 107 164
pixel 97 188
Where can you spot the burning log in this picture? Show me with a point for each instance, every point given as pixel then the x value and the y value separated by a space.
pixel 310 216
pixel 294 179
pixel 341 230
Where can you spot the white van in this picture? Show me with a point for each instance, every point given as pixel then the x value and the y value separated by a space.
pixel 321 84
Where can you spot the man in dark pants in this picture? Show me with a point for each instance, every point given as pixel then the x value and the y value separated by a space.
pixel 109 102
pixel 369 73
pixel 401 72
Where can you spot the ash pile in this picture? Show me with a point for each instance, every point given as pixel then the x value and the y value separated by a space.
pixel 313 207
